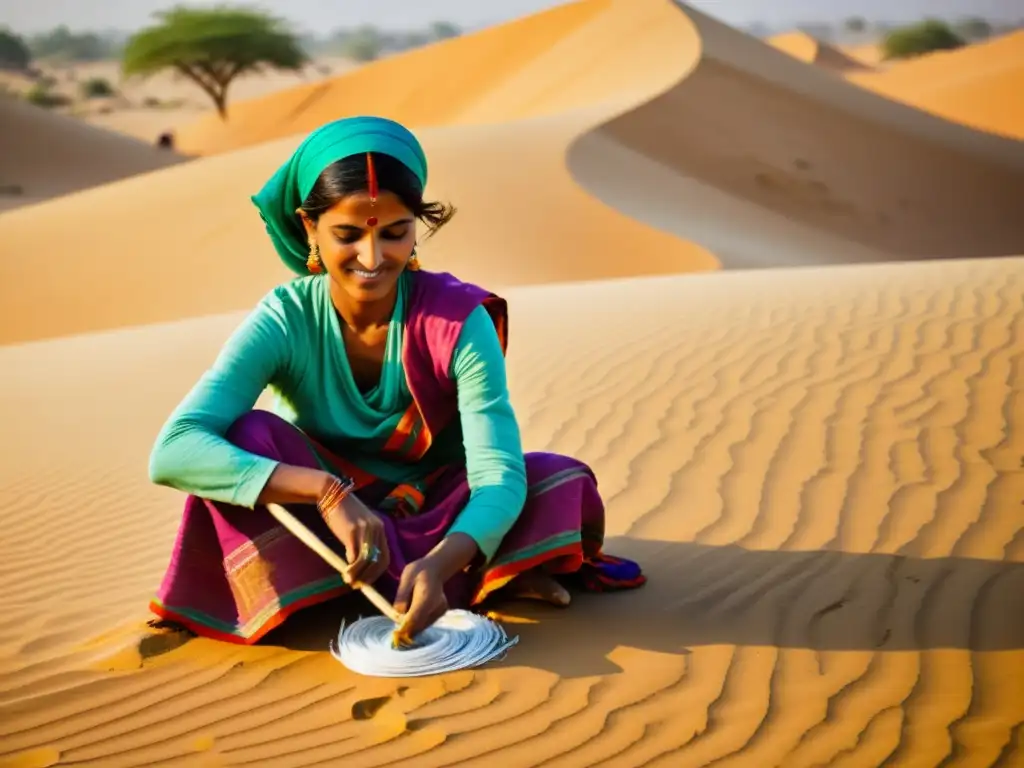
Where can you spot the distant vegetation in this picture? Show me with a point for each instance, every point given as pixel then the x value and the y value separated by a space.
pixel 916 39
pixel 42 95
pixel 212 47
pixel 855 24
pixel 365 43
pixel 63 44
pixel 96 88
pixel 14 53
pixel 368 43
pixel 975 29
pixel 857 29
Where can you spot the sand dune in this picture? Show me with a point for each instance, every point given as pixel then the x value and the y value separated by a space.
pixel 809 50
pixel 46 155
pixel 809 164
pixel 978 85
pixel 524 220
pixel 609 151
pixel 870 54
pixel 517 70
pixel 212 254
pixel 820 469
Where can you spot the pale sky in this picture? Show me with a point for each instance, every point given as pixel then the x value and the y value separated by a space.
pixel 325 15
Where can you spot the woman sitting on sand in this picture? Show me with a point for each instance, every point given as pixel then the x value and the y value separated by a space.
pixel 392 428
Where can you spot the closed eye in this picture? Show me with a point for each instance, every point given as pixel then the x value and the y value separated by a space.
pixel 394 233
pixel 350 235
pixel 396 230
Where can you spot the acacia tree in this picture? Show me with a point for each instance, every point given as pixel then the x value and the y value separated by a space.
pixel 213 46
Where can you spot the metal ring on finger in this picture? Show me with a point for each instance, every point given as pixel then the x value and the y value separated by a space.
pixel 370 552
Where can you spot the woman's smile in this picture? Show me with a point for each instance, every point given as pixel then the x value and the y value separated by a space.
pixel 368 275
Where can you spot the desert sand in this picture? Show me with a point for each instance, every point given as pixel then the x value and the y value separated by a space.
pixel 817 461
pixel 47 155
pixel 870 54
pixel 573 165
pixel 806 48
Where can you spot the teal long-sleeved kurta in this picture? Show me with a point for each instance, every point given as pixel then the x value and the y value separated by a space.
pixel 293 344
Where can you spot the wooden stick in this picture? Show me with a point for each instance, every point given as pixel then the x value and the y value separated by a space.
pixel 307 537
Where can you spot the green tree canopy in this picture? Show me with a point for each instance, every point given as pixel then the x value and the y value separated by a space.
pixel 916 39
pixel 14 54
pixel 213 46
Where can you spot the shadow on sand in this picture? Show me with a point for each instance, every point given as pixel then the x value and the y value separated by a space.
pixel 703 595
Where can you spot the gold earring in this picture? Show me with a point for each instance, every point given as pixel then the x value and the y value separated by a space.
pixel 313 263
pixel 414 261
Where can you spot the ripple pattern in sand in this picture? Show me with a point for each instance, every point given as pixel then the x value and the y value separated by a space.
pixel 822 471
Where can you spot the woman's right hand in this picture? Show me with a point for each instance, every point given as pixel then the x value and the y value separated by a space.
pixel 361 532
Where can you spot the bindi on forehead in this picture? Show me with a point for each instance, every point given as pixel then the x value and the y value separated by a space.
pixel 355 222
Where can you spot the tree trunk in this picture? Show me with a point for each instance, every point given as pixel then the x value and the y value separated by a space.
pixel 220 100
pixel 216 89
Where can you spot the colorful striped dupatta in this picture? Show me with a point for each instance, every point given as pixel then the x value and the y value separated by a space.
pixel 236 573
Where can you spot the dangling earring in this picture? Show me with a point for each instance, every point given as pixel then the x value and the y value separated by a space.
pixel 414 261
pixel 313 263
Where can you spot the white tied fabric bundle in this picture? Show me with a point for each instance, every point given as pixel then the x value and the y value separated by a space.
pixel 458 640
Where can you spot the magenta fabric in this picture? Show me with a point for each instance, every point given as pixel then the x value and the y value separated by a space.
pixel 236 573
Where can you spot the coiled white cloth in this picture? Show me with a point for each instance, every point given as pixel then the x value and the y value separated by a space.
pixel 458 640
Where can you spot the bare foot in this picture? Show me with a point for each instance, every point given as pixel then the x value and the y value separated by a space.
pixel 537 585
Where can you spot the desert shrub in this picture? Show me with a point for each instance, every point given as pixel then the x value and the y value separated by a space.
pixel 96 88
pixel 42 96
pixel 916 39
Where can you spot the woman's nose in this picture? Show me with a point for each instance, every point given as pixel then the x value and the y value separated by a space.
pixel 369 254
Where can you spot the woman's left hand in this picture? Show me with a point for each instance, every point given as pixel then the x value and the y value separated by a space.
pixel 420 597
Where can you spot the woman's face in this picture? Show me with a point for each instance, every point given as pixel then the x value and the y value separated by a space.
pixel 365 257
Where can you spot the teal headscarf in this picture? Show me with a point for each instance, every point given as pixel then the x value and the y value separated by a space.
pixel 291 184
